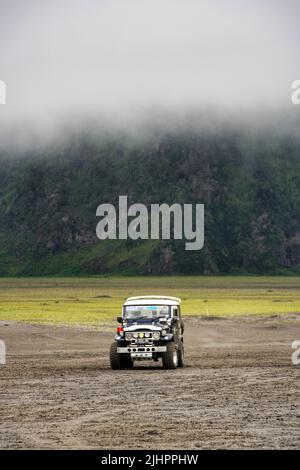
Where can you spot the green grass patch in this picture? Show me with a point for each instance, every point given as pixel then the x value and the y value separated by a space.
pixel 97 300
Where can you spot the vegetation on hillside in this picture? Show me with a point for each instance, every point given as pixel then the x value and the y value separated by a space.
pixel 250 188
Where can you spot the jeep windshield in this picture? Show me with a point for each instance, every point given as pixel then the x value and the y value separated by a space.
pixel 145 312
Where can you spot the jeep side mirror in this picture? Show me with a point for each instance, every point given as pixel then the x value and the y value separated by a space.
pixel 119 319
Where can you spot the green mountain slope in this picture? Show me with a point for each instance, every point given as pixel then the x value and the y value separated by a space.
pixel 250 188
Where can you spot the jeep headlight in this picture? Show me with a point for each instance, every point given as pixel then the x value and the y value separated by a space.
pixel 141 335
pixel 135 335
pixel 147 335
pixel 128 336
pixel 156 335
pixel 163 332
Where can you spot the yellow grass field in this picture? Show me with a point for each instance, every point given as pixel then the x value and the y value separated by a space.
pixel 97 301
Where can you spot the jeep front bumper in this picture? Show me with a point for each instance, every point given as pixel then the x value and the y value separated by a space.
pixel 141 352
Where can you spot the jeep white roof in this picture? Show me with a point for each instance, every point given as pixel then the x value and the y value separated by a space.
pixel 152 300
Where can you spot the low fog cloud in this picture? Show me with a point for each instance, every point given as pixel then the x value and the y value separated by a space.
pixel 121 60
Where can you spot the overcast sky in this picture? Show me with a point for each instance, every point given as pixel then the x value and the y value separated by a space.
pixel 68 59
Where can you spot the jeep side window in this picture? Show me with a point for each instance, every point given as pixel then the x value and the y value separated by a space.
pixel 175 312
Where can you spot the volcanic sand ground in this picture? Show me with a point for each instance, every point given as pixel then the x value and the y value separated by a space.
pixel 239 389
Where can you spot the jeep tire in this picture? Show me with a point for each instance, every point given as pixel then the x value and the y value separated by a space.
pixel 118 361
pixel 170 357
pixel 181 355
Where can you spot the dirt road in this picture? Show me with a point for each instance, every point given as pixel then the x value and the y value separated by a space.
pixel 238 390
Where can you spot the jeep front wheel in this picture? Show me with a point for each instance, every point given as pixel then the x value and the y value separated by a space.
pixel 181 356
pixel 114 357
pixel 170 357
